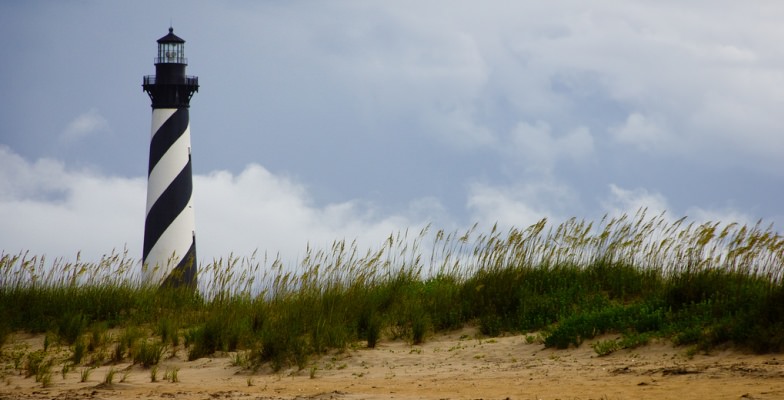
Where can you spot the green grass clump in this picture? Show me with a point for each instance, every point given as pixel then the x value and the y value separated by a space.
pixel 99 337
pixel 109 378
pixel 36 363
pixel 171 375
pixel 84 375
pixel 168 331
pixel 147 352
pixel 79 350
pixel 640 277
pixel 127 339
pixel 605 347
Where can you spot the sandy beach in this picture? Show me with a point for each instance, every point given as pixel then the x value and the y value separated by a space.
pixel 457 365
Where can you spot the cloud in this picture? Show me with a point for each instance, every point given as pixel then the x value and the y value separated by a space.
pixel 656 78
pixel 18 178
pixel 622 201
pixel 401 65
pixel 520 205
pixel 256 209
pixel 84 125
pixel 643 133
pixel 724 215
pixel 541 149
pixel 630 201
pixel 52 210
pixel 456 125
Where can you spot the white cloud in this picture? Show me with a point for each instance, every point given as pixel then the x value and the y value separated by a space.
pixel 724 215
pixel 706 76
pixel 522 205
pixel 541 149
pixel 86 124
pixel 456 126
pixel 642 132
pixel 55 211
pixel 742 130
pixel 258 210
pixel 622 201
pixel 398 65
pixel 50 210
pixel 669 71
pixel 23 179
pixel 630 201
pixel 697 81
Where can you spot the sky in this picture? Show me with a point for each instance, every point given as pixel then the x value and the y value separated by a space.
pixel 323 121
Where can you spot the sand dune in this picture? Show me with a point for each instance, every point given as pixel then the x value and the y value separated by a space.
pixel 451 366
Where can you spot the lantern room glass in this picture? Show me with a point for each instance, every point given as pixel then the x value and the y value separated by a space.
pixel 171 53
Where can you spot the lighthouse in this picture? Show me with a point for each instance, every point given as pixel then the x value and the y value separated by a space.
pixel 169 255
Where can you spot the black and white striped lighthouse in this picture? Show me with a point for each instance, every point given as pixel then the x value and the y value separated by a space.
pixel 169 255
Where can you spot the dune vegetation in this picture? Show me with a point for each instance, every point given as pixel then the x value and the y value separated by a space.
pixel 642 277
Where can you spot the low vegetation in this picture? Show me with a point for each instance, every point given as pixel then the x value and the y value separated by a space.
pixel 640 277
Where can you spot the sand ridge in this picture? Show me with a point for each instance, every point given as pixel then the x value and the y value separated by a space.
pixel 457 365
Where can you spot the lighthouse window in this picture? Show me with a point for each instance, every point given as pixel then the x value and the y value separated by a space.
pixel 171 52
pixel 171 55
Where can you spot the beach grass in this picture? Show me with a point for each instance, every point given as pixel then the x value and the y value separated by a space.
pixel 641 277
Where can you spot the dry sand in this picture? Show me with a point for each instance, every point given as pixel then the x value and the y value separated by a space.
pixel 451 366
